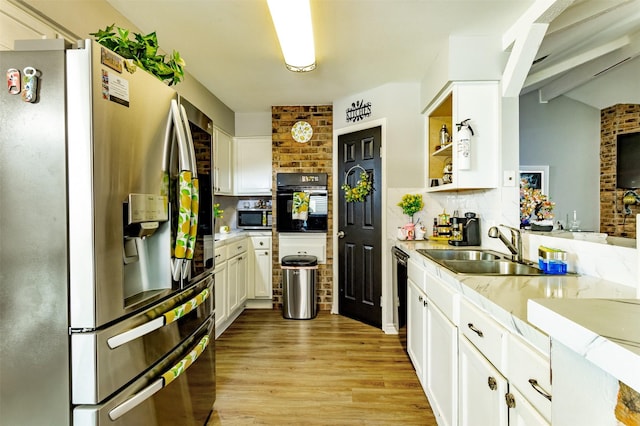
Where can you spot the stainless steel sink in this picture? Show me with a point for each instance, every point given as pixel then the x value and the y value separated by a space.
pixel 478 262
pixel 450 254
pixel 490 267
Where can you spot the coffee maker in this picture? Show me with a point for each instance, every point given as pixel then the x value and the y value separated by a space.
pixel 465 231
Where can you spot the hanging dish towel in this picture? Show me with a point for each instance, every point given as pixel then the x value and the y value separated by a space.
pixel 300 209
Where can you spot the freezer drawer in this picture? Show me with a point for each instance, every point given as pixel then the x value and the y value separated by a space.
pixel 178 390
pixel 105 360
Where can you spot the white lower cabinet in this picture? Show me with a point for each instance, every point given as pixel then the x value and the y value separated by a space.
pixel 530 383
pixel 416 328
pixel 237 280
pixel 231 282
pixel 222 299
pixel 482 389
pixel 442 366
pixel 522 412
pixel 473 370
pixel 261 268
pixel 432 344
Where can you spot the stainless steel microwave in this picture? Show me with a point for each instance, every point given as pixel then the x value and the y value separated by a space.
pixel 254 219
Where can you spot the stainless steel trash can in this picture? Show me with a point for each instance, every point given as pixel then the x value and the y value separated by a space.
pixel 299 286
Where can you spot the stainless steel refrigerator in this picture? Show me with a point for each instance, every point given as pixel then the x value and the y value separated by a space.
pixel 106 245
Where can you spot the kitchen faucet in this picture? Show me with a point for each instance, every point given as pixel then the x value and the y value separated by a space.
pixel 514 246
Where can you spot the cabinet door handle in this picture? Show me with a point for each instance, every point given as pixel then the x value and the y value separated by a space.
pixel 534 384
pixel 475 330
pixel 492 382
pixel 424 303
pixel 419 298
pixel 510 400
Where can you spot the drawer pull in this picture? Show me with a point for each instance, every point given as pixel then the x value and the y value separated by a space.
pixel 534 384
pixel 510 399
pixel 475 330
pixel 493 384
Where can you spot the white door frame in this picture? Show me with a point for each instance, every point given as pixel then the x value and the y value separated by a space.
pixel 387 291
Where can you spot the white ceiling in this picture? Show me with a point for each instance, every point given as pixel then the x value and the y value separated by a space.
pixel 230 46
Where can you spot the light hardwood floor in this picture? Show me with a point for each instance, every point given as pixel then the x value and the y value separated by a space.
pixel 327 371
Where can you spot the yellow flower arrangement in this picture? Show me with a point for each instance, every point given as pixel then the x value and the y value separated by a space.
pixel 217 212
pixel 359 192
pixel 411 204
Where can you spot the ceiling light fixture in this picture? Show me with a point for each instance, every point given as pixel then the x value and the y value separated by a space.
pixel 292 20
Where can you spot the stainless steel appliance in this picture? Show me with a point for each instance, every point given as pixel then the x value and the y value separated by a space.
pixel 254 214
pixel 107 287
pixel 399 276
pixel 465 230
pixel 301 202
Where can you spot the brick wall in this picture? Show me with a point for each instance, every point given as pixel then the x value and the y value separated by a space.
pixel 617 119
pixel 315 156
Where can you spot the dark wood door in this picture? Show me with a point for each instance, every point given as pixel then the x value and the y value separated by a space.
pixel 359 249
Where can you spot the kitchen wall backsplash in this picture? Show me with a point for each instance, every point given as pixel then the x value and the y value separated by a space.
pixel 490 206
pixel 610 262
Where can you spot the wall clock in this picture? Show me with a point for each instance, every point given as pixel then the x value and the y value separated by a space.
pixel 302 132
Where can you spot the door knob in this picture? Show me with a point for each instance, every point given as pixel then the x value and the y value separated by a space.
pixel 340 234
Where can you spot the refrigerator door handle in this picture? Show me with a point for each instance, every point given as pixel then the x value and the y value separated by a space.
pixel 184 195
pixel 195 195
pixel 136 400
pixel 166 378
pixel 166 318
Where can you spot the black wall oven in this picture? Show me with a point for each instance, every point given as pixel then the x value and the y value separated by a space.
pixel 302 202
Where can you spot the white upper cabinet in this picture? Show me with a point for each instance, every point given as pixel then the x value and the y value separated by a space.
pixel 222 163
pixel 253 165
pixel 478 102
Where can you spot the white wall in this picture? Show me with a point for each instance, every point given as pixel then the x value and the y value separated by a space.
pixel 399 104
pixel 582 393
pixel 565 135
pixel 81 18
pixel 253 124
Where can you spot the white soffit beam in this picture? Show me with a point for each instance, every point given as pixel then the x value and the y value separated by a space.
pixel 526 35
pixel 587 72
pixel 520 60
pixel 542 11
pixel 584 11
pixel 576 60
pixel 576 27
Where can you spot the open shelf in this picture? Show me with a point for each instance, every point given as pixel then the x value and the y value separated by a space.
pixel 441 115
pixel 444 151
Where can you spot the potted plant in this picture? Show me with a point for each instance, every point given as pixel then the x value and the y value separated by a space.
pixel 142 51
pixel 411 204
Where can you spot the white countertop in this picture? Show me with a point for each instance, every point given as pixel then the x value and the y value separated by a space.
pixel 506 298
pixel 603 331
pixel 240 233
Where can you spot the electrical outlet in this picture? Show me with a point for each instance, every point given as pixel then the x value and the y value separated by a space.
pixel 509 178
